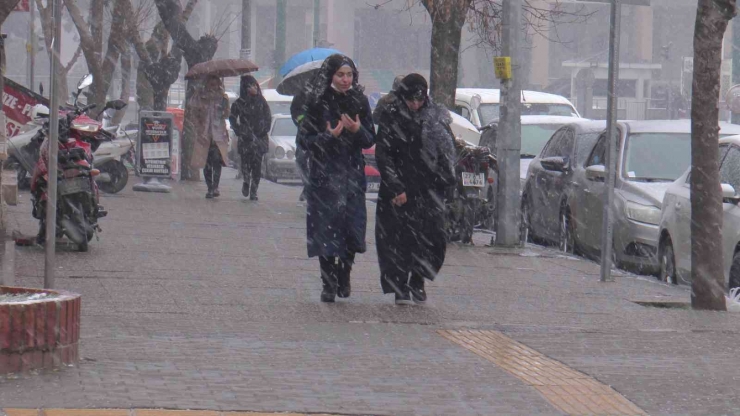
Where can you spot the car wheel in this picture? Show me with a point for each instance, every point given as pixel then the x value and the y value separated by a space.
pixel 566 242
pixel 735 271
pixel 667 260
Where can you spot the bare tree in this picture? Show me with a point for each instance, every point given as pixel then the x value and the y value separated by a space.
pixel 484 18
pixel 47 28
pixel 6 7
pixel 126 67
pixel 159 67
pixel 194 52
pixel 102 66
pixel 707 287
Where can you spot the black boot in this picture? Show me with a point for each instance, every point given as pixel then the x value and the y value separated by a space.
pixel 416 288
pixel 328 278
pixel 343 278
pixel 245 189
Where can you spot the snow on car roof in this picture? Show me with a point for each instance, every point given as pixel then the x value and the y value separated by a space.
pixel 273 95
pixel 671 126
pixel 548 119
pixel 493 96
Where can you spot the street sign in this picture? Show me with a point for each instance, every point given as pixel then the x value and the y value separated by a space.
pixel 154 146
pixel 502 66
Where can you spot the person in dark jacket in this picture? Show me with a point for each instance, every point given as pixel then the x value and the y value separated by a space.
pixel 250 119
pixel 297 113
pixel 415 155
pixel 384 100
pixel 337 125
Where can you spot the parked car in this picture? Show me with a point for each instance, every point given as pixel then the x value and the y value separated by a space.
pixel 279 103
pixel 674 246
pixel 550 182
pixel 279 162
pixel 481 106
pixel 651 155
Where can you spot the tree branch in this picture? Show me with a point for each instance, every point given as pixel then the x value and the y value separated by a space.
pixel 74 59
pixel 86 39
pixel 6 7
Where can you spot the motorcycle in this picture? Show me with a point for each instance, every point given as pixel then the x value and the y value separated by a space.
pixel 23 151
pixel 465 204
pixel 77 205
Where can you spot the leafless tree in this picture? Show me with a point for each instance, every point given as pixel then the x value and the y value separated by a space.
pixel 6 7
pixel 707 272
pixel 484 17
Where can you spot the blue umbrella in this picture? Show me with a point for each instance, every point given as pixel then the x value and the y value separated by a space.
pixel 309 55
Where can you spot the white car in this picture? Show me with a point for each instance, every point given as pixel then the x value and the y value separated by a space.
pixel 279 161
pixel 674 249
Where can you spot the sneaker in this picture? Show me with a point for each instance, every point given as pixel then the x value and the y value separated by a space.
pixel 327 296
pixel 253 198
pixel 209 194
pixel 245 189
pixel 216 193
pixel 418 295
pixel 404 299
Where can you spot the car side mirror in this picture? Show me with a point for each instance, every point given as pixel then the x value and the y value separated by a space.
pixel 596 173
pixel 729 195
pixel 556 163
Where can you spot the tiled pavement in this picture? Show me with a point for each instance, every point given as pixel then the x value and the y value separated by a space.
pixel 195 304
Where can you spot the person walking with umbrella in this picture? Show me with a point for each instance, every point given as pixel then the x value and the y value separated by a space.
pixel 415 153
pixel 250 118
pixel 207 111
pixel 337 125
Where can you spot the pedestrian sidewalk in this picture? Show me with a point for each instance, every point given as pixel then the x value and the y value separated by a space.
pixel 201 304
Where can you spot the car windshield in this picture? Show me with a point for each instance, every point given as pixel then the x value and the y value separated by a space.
pixel 284 127
pixel 488 113
pixel 656 157
pixel 279 107
pixel 534 138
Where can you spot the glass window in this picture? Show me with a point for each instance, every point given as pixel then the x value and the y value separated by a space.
pixel 463 111
pixel 277 107
pixel 561 145
pixel 729 172
pixel 598 155
pixel 535 136
pixel 657 157
pixel 584 143
pixel 284 127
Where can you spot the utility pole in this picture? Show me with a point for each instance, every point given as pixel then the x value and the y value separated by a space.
pixel 280 37
pixel 51 201
pixel 31 45
pixel 611 140
pixel 246 50
pixel 316 22
pixel 510 131
pixel 735 59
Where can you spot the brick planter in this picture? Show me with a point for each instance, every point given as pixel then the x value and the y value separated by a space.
pixel 39 334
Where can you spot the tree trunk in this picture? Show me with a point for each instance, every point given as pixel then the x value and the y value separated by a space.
pixel 708 287
pixel 448 18
pixel 125 85
pixel 47 26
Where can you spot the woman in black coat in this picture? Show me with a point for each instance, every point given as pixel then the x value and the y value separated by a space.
pixel 250 119
pixel 415 155
pixel 337 126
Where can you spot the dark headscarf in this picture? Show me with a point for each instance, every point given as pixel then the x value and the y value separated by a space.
pixel 413 86
pixel 244 84
pixel 250 114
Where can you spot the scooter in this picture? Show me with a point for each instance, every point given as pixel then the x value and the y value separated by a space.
pixel 23 149
pixel 464 203
pixel 77 205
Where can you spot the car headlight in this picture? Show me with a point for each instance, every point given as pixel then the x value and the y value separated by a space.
pixel 648 214
pixel 291 154
pixel 279 152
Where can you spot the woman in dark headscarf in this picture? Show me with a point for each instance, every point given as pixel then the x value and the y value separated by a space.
pixel 337 125
pixel 250 119
pixel 415 154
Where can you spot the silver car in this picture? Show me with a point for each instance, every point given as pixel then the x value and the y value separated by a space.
pixel 279 161
pixel 651 155
pixel 674 248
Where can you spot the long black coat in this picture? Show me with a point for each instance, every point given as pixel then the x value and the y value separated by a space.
pixel 411 238
pixel 336 213
pixel 251 119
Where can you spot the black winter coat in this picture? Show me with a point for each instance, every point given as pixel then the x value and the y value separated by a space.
pixel 415 154
pixel 336 213
pixel 251 121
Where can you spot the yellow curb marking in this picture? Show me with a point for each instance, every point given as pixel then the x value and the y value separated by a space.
pixel 134 412
pixel 568 390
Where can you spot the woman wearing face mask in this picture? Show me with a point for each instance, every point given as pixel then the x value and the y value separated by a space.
pixel 336 127
pixel 208 110
pixel 415 153
pixel 250 118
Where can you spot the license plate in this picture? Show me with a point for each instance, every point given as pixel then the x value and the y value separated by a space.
pixel 73 186
pixel 373 186
pixel 473 179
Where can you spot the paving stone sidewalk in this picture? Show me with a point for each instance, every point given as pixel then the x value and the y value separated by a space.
pixel 212 304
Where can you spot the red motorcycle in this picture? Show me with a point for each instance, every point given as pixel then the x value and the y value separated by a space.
pixel 77 193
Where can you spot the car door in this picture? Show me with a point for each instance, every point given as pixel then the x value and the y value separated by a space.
pixel 591 199
pixel 557 180
pixel 729 172
pixel 540 211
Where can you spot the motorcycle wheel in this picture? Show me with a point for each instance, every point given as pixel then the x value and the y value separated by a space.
pixel 468 222
pixel 118 177
pixel 75 224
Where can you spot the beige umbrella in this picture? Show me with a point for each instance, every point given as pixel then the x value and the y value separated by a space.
pixel 221 68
